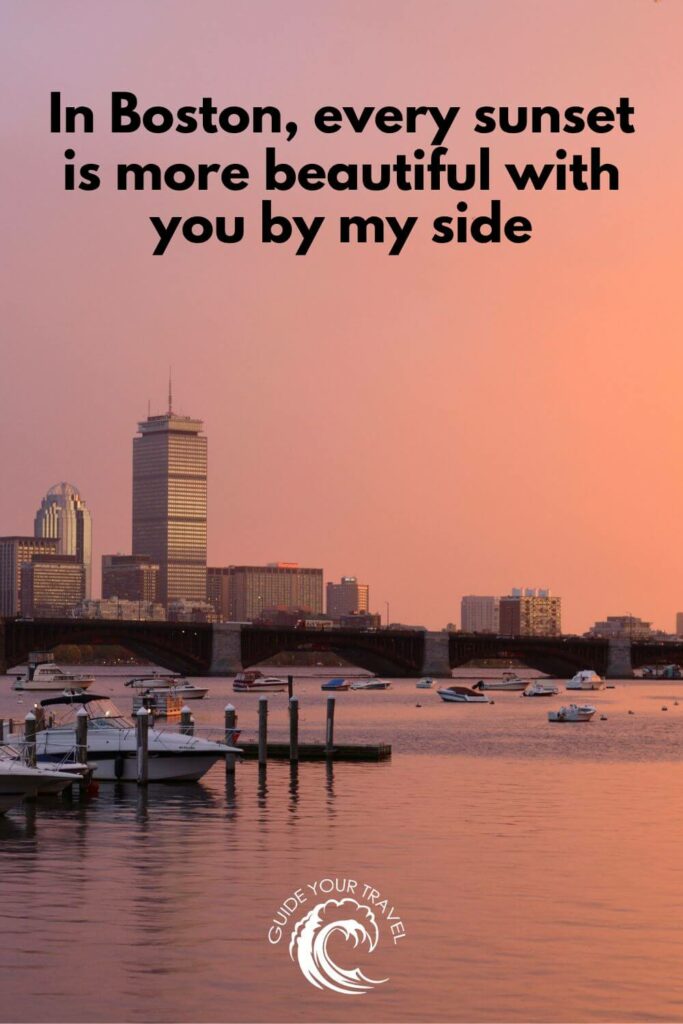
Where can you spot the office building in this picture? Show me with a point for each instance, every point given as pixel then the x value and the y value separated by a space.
pixel 169 503
pixel 182 610
pixel 130 577
pixel 15 552
pixel 63 516
pixel 282 585
pixel 679 624
pixel 121 608
pixel 218 591
pixel 622 627
pixel 348 597
pixel 52 586
pixel 530 613
pixel 479 614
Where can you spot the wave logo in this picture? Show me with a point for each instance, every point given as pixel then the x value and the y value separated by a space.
pixel 309 945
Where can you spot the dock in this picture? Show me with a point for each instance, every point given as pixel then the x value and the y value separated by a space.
pixel 319 752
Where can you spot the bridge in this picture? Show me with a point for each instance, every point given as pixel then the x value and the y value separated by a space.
pixel 201 649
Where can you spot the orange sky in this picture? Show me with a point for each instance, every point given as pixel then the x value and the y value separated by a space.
pixel 454 420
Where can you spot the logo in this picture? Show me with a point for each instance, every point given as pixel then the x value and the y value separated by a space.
pixel 353 911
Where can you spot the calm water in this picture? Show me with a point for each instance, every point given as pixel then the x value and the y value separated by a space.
pixel 538 870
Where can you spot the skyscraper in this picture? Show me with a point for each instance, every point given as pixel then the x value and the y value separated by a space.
pixel 253 589
pixel 479 614
pixel 52 586
pixel 15 552
pixel 130 577
pixel 63 516
pixel 348 597
pixel 530 613
pixel 169 503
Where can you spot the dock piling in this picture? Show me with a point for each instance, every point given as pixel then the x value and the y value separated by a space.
pixel 294 730
pixel 263 730
pixel 329 730
pixel 186 721
pixel 30 739
pixel 230 720
pixel 290 686
pixel 142 724
pixel 2 730
pixel 82 736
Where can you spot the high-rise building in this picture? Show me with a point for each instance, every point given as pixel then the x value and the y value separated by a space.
pixel 479 614
pixel 530 613
pixel 622 627
pixel 679 623
pixel 130 577
pixel 218 591
pixel 348 597
pixel 63 516
pixel 169 503
pixel 278 585
pixel 52 586
pixel 15 552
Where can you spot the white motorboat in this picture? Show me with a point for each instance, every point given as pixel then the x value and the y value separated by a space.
pixel 425 684
pixel 19 780
pixel 42 675
pixel 573 713
pixel 254 680
pixel 112 743
pixel 586 679
pixel 370 684
pixel 508 681
pixel 462 695
pixel 175 686
pixel 540 688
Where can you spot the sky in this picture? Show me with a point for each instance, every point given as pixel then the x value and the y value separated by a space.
pixel 453 420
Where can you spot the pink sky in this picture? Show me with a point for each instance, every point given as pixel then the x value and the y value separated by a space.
pixel 455 420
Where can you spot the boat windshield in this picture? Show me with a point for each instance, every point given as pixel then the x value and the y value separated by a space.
pixel 102 714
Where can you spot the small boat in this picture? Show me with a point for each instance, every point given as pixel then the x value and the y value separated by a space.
pixel 42 675
pixel 112 743
pixel 161 703
pixel 176 686
pixel 19 780
pixel 586 679
pixel 336 684
pixel 425 684
pixel 659 672
pixel 508 681
pixel 370 684
pixel 572 713
pixel 462 695
pixel 254 680
pixel 541 689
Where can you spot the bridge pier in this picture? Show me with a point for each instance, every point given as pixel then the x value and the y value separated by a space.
pixel 226 649
pixel 619 663
pixel 436 661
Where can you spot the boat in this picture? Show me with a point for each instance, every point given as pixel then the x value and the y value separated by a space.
pixel 175 686
pixel 161 703
pixel 42 675
pixel 425 684
pixel 540 689
pixel 112 743
pixel 665 672
pixel 370 684
pixel 336 684
pixel 462 695
pixel 19 780
pixel 508 681
pixel 572 713
pixel 254 680
pixel 586 679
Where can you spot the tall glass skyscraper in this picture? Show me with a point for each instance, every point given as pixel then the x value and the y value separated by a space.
pixel 63 516
pixel 169 503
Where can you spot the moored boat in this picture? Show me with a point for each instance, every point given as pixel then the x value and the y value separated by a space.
pixel 572 713
pixel 540 689
pixel 462 695
pixel 336 684
pixel 586 679
pixel 425 684
pixel 175 686
pixel 509 681
pixel 254 680
pixel 112 742
pixel 370 684
pixel 42 675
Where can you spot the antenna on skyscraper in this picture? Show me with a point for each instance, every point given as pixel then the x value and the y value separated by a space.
pixel 170 391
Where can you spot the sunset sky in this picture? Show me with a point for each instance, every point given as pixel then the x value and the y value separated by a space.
pixel 454 420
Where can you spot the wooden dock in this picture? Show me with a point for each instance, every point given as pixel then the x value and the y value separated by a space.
pixel 319 752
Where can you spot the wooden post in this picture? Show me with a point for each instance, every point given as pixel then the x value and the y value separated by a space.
pixel 82 736
pixel 2 730
pixel 30 739
pixel 230 720
pixel 294 729
pixel 142 723
pixel 329 731
pixel 186 721
pixel 290 686
pixel 263 730
pixel 10 727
